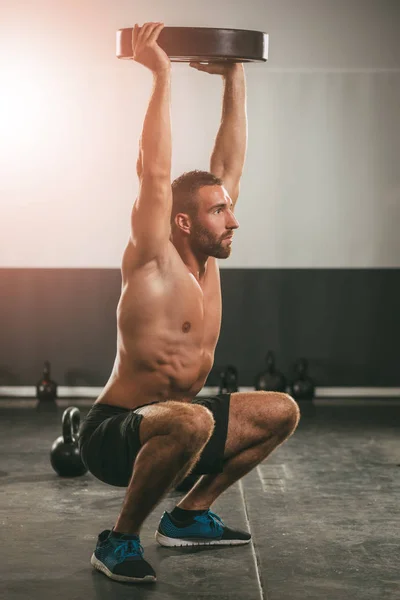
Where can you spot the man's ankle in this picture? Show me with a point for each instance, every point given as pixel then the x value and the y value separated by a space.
pixel 118 531
pixel 183 514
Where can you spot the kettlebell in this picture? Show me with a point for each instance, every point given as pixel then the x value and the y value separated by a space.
pixel 302 387
pixel 228 380
pixel 65 456
pixel 271 379
pixel 46 389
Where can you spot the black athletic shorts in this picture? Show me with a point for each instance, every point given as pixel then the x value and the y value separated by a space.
pixel 109 440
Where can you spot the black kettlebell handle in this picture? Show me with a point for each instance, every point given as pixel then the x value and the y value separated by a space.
pixel 71 421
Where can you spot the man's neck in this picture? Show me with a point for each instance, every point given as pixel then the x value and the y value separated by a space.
pixel 196 265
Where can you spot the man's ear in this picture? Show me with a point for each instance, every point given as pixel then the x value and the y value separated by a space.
pixel 183 222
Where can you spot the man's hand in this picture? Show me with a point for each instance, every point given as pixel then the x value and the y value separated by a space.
pixel 146 51
pixel 217 68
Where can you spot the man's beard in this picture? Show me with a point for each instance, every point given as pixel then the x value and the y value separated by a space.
pixel 204 242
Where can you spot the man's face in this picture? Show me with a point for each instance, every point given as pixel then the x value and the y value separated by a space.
pixel 214 223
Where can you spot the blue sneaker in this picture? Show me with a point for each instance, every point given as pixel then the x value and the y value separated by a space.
pixel 121 558
pixel 206 529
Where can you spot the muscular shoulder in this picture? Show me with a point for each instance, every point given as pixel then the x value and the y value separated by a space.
pixel 167 261
pixel 132 263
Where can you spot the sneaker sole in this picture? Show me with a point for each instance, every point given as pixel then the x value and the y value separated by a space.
pixel 97 564
pixel 174 542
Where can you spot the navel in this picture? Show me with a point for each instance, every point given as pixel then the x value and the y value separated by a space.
pixel 186 327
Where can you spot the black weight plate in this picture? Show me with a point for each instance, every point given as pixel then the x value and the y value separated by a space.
pixel 203 44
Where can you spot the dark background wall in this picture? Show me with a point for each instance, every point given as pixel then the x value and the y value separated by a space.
pixel 345 321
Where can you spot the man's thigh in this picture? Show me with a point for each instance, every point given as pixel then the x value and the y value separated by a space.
pixel 159 418
pixel 253 416
pixel 213 455
pixel 111 449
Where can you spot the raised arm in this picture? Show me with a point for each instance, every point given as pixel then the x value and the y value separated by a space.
pixel 150 219
pixel 228 155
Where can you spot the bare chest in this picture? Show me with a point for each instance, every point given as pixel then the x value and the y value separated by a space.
pixel 173 305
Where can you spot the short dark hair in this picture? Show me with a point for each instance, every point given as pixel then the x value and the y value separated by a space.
pixel 185 188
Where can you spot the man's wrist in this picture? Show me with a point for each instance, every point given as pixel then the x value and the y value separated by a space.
pixel 235 70
pixel 164 69
pixel 162 73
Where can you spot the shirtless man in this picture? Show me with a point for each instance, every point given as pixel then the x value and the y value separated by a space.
pixel 147 431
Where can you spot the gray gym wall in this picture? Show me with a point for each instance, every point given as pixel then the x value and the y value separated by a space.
pixel 315 264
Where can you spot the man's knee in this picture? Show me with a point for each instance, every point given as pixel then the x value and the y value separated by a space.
pixel 189 425
pixel 287 414
pixel 193 426
pixel 276 413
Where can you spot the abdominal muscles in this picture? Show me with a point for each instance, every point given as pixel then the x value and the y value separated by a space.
pixel 165 346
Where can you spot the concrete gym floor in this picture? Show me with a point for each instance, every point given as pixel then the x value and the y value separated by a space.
pixel 323 511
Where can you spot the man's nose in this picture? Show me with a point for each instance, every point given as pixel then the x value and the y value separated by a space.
pixel 233 222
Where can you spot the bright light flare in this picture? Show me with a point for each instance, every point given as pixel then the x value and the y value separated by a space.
pixel 25 99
